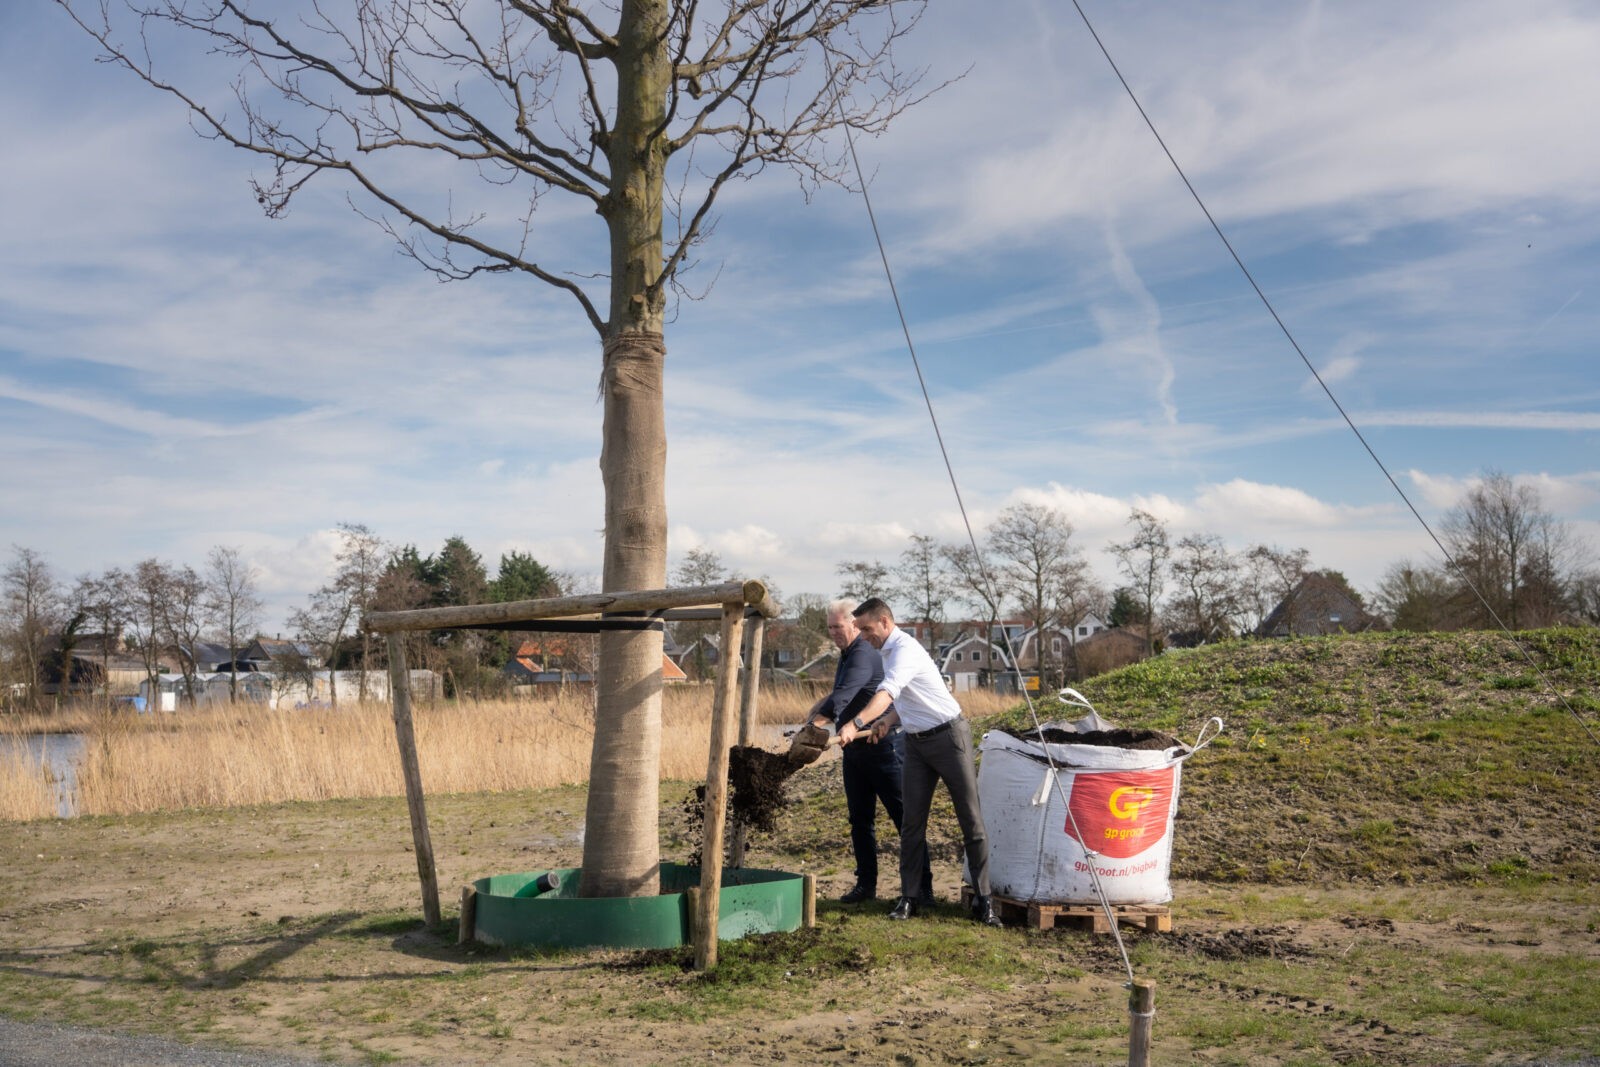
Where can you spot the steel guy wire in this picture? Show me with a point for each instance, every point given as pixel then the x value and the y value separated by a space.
pixel 1326 389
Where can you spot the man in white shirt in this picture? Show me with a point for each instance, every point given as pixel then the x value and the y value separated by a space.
pixel 938 747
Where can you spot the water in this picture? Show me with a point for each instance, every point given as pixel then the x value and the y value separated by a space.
pixel 57 752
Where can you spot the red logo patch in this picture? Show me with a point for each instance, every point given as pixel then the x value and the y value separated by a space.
pixel 1120 813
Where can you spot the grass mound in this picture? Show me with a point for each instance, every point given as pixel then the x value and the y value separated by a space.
pixel 1400 758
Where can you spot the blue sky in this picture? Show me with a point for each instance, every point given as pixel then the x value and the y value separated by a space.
pixel 1413 185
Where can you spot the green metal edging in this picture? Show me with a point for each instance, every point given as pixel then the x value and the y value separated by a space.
pixel 753 901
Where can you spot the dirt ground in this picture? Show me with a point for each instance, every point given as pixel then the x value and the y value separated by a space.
pixel 297 929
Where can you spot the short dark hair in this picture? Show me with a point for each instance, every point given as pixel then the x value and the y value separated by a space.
pixel 875 607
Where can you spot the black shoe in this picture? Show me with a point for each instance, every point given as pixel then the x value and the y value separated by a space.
pixel 926 899
pixel 859 893
pixel 983 911
pixel 905 909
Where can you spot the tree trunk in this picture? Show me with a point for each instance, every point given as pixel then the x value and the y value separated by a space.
pixel 621 850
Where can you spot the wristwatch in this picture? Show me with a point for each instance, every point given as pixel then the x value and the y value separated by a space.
pixel 858 724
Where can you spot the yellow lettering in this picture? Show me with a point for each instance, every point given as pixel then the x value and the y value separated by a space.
pixel 1127 802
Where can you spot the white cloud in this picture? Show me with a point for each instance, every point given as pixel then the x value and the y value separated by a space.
pixel 863 538
pixel 750 544
pixel 1243 503
pixel 1403 180
pixel 1561 421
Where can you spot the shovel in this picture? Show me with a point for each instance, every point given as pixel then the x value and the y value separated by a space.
pixel 809 743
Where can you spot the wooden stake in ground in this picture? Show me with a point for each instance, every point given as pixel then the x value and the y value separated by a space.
pixel 405 735
pixel 469 915
pixel 716 806
pixel 1141 1014
pixel 748 701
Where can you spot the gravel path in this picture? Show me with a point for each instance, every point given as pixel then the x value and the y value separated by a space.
pixel 41 1044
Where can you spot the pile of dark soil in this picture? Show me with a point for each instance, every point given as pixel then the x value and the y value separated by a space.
pixel 1121 737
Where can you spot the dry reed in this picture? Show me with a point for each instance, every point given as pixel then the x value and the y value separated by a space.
pixel 254 755
pixel 27 790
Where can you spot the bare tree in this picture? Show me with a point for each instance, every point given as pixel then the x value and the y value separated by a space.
pixel 333 608
pixel 1142 558
pixel 33 611
pixel 1414 596
pixel 104 599
pixel 233 603
pixel 147 607
pixel 322 623
pixel 1206 576
pixel 699 566
pixel 1586 596
pixel 805 630
pixel 1267 575
pixel 922 585
pixel 183 623
pixel 641 112
pixel 863 578
pixel 1513 552
pixel 975 576
pixel 1037 564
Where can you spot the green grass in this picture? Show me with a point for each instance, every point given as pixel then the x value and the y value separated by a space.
pixel 1370 796
pixel 1411 748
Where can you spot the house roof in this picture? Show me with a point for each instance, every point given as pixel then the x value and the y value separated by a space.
pixel 1317 605
pixel 973 639
pixel 274 648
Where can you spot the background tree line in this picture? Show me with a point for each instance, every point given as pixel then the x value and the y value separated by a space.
pixel 160 612
pixel 1513 561
pixel 1510 559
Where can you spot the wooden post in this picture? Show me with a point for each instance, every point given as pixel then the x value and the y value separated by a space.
pixel 691 898
pixel 469 915
pixel 750 696
pixel 716 806
pixel 1141 1013
pixel 405 736
pixel 748 700
pixel 808 900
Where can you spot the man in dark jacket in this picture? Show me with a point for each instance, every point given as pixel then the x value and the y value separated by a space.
pixel 872 769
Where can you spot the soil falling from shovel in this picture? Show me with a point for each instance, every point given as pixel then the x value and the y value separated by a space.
pixel 756 779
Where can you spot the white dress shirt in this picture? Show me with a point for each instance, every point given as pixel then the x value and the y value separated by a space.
pixel 912 680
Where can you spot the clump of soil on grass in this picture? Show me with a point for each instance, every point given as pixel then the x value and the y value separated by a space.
pixel 756 794
pixel 1259 943
pixel 1121 737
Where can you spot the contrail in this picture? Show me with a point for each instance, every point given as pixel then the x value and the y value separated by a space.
pixel 1557 314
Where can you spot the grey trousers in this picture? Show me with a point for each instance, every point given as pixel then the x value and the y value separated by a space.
pixel 946 756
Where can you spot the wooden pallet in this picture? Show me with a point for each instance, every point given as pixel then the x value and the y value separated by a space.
pixel 1154 918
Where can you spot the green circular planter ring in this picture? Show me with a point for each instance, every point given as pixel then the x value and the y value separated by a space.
pixel 511 911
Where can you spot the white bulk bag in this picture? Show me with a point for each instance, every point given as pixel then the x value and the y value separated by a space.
pixel 1054 809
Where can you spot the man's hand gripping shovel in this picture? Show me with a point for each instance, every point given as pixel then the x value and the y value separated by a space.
pixel 809 743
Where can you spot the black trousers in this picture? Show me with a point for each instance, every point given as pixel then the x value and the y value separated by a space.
pixel 945 756
pixel 872 774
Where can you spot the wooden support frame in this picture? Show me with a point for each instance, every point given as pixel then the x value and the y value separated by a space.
pixel 406 738
pixel 749 700
pixel 730 601
pixel 716 805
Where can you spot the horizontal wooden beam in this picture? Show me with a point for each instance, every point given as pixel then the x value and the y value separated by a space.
pixel 751 593
pixel 570 626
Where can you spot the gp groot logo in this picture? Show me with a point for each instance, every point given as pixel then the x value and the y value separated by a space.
pixel 1120 813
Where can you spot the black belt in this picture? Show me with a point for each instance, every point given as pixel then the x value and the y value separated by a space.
pixel 936 731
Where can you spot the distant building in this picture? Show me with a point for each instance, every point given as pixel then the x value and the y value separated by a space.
pixel 1318 605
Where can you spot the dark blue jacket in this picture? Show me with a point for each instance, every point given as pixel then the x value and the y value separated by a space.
pixel 856 678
